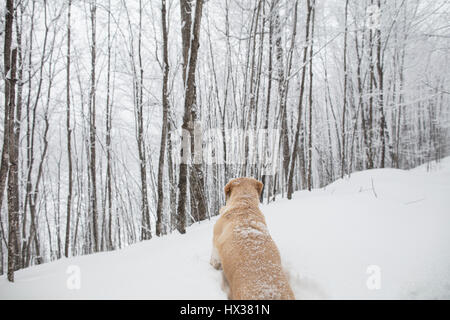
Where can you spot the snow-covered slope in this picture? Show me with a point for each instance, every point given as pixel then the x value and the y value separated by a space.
pixel 385 226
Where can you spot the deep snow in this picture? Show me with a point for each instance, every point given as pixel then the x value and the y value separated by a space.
pixel 395 220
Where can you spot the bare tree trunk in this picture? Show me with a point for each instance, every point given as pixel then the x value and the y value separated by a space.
pixel 248 111
pixel 30 121
pixel 172 178
pixel 190 51
pixel 33 228
pixel 344 108
pixel 1 251
pixel 31 135
pixel 311 98
pixel 360 86
pixel 69 139
pixel 196 176
pixel 20 83
pixel 146 232
pixel 92 129
pixel 380 94
pixel 370 155
pixel 300 102
pixel 13 187
pixel 256 169
pixel 110 244
pixel 9 16
pixel 283 90
pixel 165 101
pixel 266 117
pixel 33 196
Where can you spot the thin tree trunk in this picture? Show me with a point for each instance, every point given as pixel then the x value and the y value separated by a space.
pixel 266 118
pixel 344 108
pixel 13 187
pixel 146 232
pixel 311 97
pixel 283 91
pixel 300 103
pixel 380 94
pixel 110 244
pixel 172 177
pixel 92 129
pixel 69 139
pixel 18 117
pixel 9 16
pixel 165 101
pixel 370 155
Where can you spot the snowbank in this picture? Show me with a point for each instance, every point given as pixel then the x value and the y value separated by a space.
pixel 380 234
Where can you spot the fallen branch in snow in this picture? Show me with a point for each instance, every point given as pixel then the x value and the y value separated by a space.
pixel 414 201
pixel 373 189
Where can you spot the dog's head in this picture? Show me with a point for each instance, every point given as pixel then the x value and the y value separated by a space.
pixel 247 186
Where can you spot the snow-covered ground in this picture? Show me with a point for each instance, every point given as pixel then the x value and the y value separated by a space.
pixel 381 234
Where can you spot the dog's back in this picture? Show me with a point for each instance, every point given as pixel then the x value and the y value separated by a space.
pixel 250 259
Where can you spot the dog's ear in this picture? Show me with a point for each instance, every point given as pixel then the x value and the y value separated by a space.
pixel 259 186
pixel 227 189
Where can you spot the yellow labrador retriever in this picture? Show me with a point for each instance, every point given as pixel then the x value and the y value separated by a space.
pixel 242 246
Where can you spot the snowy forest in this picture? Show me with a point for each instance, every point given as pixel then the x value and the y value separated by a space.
pixel 122 121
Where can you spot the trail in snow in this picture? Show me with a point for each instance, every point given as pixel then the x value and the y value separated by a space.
pixel 395 220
